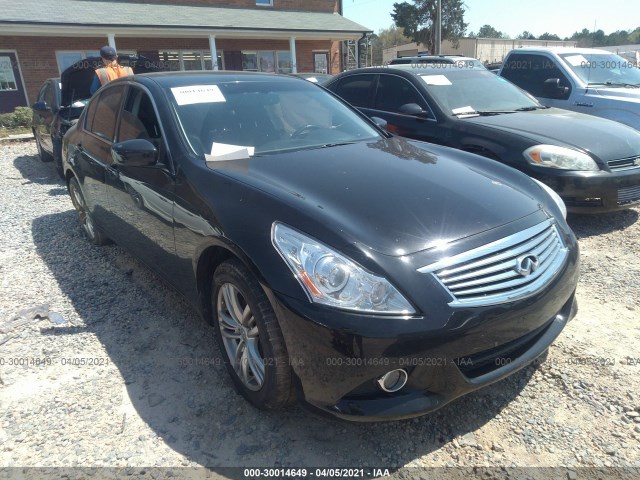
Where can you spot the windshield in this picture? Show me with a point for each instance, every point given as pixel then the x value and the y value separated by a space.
pixel 603 69
pixel 465 92
pixel 264 116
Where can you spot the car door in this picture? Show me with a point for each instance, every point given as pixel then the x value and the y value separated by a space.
pixel 393 96
pixel 93 151
pixel 141 198
pixel 530 71
pixel 42 119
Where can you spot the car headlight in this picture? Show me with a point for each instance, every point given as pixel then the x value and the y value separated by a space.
pixel 554 156
pixel 332 279
pixel 556 198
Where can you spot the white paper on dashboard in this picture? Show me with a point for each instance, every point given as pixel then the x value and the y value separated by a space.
pixel 226 151
pixel 463 110
pixel 576 60
pixel 197 94
pixel 436 80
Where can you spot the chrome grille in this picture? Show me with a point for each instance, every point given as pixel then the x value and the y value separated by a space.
pixel 628 195
pixel 624 164
pixel 497 272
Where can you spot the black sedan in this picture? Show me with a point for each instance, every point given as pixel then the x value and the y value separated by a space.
pixel 593 163
pixel 61 100
pixel 378 277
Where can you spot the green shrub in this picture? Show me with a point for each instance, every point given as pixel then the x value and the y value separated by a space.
pixel 6 120
pixel 21 117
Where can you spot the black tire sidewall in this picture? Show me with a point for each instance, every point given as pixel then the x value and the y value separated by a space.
pixel 235 273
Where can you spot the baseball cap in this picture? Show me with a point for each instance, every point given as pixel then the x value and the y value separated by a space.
pixel 108 52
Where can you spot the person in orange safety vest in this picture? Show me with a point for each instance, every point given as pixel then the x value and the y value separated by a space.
pixel 111 69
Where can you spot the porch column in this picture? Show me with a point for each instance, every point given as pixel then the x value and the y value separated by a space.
pixel 112 40
pixel 214 52
pixel 292 48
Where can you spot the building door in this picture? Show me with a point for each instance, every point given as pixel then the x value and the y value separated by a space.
pixel 12 92
pixel 321 62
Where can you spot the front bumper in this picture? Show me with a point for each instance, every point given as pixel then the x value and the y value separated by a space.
pixel 337 367
pixel 594 192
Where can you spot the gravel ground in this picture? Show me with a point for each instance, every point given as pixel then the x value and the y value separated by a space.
pixel 114 369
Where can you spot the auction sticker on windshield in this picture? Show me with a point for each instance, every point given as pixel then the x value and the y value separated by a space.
pixel 436 80
pixel 197 94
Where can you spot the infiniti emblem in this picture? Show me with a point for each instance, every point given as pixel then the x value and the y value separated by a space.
pixel 527 264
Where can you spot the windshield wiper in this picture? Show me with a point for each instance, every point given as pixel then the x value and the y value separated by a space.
pixel 529 109
pixel 616 84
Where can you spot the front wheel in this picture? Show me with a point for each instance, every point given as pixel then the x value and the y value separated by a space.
pixel 250 338
pixel 92 231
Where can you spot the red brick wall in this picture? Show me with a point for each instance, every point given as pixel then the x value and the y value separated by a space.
pixel 305 5
pixel 37 56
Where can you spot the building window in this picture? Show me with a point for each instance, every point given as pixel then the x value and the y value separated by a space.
pixel 267 61
pixel 68 58
pixel 7 79
pixel 284 62
pixel 264 3
pixel 190 59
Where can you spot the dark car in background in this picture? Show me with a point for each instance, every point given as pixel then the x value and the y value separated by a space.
pixel 319 78
pixel 378 277
pixel 592 163
pixel 61 100
pixel 455 60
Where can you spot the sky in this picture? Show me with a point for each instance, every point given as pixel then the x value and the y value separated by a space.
pixel 562 17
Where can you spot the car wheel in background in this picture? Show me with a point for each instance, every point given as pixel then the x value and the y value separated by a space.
pixel 94 234
pixel 250 338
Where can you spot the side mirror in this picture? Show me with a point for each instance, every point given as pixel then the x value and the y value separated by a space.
pixel 380 122
pixel 134 153
pixel 552 88
pixel 412 109
pixel 41 107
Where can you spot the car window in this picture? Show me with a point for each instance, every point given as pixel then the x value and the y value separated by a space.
pixel 394 91
pixel 603 68
pixel 90 112
pixel 265 117
pixel 355 89
pixel 138 118
pixel 49 95
pixel 104 120
pixel 529 72
pixel 464 91
pixel 43 92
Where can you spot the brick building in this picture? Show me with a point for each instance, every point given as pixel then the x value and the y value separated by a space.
pixel 39 39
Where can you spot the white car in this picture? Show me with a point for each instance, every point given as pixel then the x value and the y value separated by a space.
pixel 585 80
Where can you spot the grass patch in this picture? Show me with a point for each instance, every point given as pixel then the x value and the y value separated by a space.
pixel 5 132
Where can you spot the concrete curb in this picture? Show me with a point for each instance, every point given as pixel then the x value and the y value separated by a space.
pixel 24 137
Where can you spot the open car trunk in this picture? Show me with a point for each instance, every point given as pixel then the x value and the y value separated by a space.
pixel 76 80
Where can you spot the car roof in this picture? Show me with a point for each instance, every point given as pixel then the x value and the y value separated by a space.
pixel 575 50
pixel 179 79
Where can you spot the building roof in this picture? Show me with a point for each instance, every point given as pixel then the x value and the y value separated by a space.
pixel 81 17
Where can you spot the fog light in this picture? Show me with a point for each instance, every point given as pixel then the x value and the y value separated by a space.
pixel 393 381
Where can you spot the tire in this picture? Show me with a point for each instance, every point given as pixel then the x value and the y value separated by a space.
pixel 44 156
pixel 91 230
pixel 250 338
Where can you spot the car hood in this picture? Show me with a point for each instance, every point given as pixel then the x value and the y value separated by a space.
pixel 393 196
pixel 619 94
pixel 76 80
pixel 606 139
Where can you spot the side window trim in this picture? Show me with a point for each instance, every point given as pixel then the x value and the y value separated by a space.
pixel 372 102
pixel 167 161
pixel 103 138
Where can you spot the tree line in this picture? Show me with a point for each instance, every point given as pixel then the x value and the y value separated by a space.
pixel 414 22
